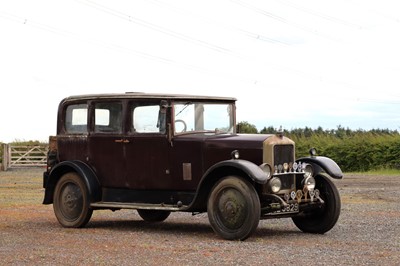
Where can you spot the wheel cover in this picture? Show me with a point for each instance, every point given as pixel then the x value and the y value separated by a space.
pixel 231 208
pixel 71 201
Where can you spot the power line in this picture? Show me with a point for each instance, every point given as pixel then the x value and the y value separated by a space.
pixel 120 48
pixel 166 60
pixel 244 32
pixel 320 14
pixel 282 19
pixel 154 27
pixel 57 31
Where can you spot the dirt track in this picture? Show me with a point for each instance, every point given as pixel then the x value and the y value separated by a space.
pixel 367 233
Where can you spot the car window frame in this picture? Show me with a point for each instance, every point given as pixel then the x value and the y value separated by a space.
pixel 92 117
pixel 133 104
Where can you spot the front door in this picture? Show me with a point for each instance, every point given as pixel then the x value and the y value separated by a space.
pixel 147 146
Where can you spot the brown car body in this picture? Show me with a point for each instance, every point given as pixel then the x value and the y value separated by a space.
pixel 133 150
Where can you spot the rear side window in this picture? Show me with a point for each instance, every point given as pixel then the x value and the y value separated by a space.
pixel 76 118
pixel 108 117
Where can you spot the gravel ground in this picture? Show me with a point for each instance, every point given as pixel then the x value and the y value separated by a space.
pixel 367 233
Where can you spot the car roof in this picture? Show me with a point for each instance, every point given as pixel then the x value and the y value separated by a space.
pixel 142 95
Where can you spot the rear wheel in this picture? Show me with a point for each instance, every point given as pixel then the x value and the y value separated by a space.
pixel 233 208
pixel 322 220
pixel 153 215
pixel 71 201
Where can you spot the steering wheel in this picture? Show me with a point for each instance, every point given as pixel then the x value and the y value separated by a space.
pixel 184 124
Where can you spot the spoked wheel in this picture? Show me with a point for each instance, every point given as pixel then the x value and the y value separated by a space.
pixel 233 208
pixel 71 201
pixel 153 215
pixel 322 220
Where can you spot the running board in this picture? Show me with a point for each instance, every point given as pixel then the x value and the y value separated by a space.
pixel 142 206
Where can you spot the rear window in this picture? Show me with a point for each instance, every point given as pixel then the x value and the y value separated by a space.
pixel 108 117
pixel 76 118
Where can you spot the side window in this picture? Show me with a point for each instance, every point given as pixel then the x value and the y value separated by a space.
pixel 185 115
pixel 76 119
pixel 148 119
pixel 108 117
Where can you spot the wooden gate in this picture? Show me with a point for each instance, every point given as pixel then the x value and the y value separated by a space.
pixel 15 156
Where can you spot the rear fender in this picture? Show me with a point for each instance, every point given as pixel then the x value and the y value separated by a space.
pixel 82 169
pixel 323 164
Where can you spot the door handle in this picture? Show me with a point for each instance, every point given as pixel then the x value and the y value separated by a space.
pixel 121 141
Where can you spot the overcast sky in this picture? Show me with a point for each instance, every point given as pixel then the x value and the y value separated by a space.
pixel 289 63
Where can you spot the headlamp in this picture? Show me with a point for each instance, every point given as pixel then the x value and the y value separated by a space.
pixel 275 184
pixel 309 183
pixel 308 170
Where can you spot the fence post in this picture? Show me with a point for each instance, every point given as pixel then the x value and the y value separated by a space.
pixel 6 157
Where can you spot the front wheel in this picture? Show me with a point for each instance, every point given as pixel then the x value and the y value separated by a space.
pixel 233 208
pixel 71 201
pixel 322 220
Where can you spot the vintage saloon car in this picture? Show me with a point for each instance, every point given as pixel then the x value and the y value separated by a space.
pixel 160 153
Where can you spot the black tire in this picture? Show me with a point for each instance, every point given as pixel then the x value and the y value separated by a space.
pixel 324 219
pixel 71 201
pixel 153 215
pixel 233 208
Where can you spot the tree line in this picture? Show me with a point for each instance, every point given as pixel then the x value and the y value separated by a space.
pixel 353 150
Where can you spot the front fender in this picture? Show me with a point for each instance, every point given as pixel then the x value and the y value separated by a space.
pixel 82 169
pixel 252 170
pixel 238 167
pixel 323 164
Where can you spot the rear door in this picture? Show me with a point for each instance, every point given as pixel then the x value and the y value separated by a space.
pixel 106 143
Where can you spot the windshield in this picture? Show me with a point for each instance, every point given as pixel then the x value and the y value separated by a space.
pixel 202 117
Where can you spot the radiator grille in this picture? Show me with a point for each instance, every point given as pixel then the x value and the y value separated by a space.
pixel 283 154
pixel 288 182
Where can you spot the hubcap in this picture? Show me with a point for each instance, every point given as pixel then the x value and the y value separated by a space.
pixel 231 208
pixel 71 201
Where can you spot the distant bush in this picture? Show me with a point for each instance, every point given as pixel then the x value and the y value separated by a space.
pixel 353 150
pixel 27 143
pixel 362 152
pixel 246 127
